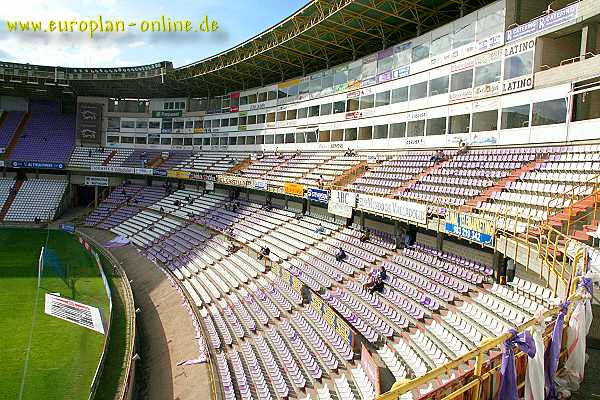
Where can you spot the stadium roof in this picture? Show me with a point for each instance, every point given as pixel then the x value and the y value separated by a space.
pixel 321 34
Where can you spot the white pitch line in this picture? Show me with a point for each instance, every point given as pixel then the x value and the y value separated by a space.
pixel 28 350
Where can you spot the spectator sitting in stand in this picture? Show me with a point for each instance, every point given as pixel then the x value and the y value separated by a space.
pixel 37 220
pixel 320 229
pixel 321 181
pixel 366 235
pixel 462 148
pixel 370 279
pixel 438 156
pixel 379 280
pixel 264 252
pixel 340 255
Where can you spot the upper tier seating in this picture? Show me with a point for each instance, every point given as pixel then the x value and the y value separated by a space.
pixel 465 176
pixel 46 129
pixel 566 167
pixel 331 169
pixel 386 178
pixel 37 198
pixel 211 162
pixel 7 130
pixel 85 157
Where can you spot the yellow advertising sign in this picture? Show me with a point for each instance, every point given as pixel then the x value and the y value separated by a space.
pixel 294 189
pixel 174 173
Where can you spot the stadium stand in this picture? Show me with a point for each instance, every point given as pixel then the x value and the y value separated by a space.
pixel 46 126
pixel 448 299
pixel 36 198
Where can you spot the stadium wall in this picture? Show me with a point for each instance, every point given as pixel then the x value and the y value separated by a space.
pixel 125 388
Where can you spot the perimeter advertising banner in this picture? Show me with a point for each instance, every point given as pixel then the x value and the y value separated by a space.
pixel 77 313
pixel 406 210
pixel 89 122
pixel 295 189
pixel 341 203
pixel 472 227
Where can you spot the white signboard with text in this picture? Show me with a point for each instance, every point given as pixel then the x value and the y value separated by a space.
pixel 74 312
pixel 341 203
pixel 400 209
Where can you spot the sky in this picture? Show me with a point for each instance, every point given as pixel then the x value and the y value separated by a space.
pixel 238 20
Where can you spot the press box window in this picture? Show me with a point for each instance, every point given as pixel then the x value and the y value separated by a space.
pixel 365 133
pixel 415 128
pixel 350 134
pixel 436 126
pixel 418 90
pixel 438 86
pixel 515 117
pixel 519 65
pixel 420 52
pixel 382 99
pixel 400 94
pixel 339 107
pixel 459 123
pixel 488 73
pixel 549 112
pixel 367 101
pixel 485 121
pixel 380 132
pixel 461 80
pixel 398 130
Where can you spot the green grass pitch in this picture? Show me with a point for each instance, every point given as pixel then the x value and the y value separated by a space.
pixel 63 357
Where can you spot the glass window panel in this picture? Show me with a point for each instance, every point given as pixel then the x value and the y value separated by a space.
pixel 337 135
pixel 313 111
pixel 488 73
pixel 438 86
pixel 367 101
pixel 518 65
pixel 260 139
pixel 420 52
pixel 279 138
pixel 250 139
pixel 400 94
pixel 324 136
pixel 341 76
pixel 440 45
pixel 485 121
pixel 339 107
pixel 302 112
pixel 459 123
pixel 463 35
pixel 436 126
pixel 415 128
pixel 385 64
pixel 515 117
pixel 299 137
pixel 365 133
pixel 380 132
pixel 382 98
pixel 351 104
pixel 350 134
pixel 418 90
pixel 326 109
pixel 549 112
pixel 461 80
pixel 398 130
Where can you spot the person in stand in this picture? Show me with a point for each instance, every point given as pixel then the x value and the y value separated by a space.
pixel 264 252
pixel 340 255
pixel 510 270
pixel 462 148
pixel 379 281
pixel 90 153
pixel 438 156
pixel 370 279
pixel 162 210
pixel 321 181
pixel 320 229
pixel 37 220
pixel 366 235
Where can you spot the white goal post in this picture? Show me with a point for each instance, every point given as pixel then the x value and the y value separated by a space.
pixel 40 266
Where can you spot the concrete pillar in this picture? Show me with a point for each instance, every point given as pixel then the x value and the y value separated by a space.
pixel 397 234
pixel 498 266
pixel 305 206
pixel 362 218
pixel 286 202
pixel 95 196
pixel 588 40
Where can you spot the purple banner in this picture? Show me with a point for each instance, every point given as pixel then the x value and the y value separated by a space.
pixel 551 20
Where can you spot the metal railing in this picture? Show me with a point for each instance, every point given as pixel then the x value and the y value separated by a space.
pixel 475 382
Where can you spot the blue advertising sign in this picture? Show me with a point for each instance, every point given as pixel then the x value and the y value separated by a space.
pixel 547 21
pixel 472 227
pixel 318 195
pixel 159 172
pixel 67 228
pixel 37 165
